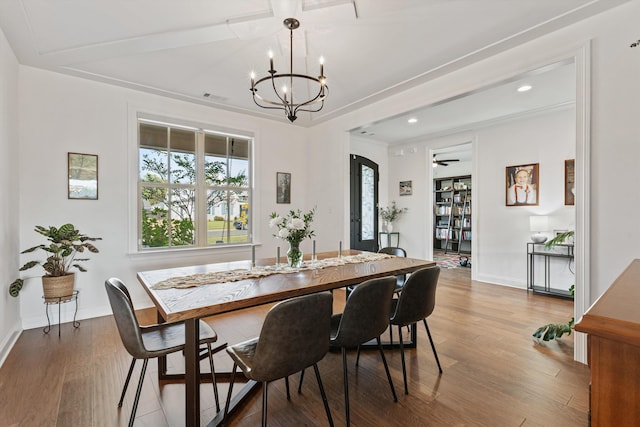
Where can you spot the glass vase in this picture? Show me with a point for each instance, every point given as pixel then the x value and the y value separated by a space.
pixel 294 255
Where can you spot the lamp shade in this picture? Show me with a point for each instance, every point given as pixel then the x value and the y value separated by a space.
pixel 539 223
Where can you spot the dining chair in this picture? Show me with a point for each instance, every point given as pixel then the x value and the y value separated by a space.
pixel 294 336
pixel 416 302
pixel 400 279
pixel 148 342
pixel 365 317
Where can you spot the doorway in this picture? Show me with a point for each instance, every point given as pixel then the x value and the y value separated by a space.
pixel 363 204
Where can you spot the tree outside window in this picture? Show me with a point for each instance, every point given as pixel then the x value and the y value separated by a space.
pixel 193 185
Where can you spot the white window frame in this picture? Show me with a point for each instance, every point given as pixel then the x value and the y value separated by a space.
pixel 200 236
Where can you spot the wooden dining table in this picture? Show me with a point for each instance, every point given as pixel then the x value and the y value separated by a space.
pixel 193 303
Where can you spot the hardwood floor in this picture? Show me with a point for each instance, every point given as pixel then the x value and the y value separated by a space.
pixel 494 372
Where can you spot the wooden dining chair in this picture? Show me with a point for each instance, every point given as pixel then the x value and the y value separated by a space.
pixel 416 302
pixel 148 342
pixel 294 336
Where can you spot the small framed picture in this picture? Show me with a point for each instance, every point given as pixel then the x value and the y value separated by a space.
pixel 569 182
pixel 406 188
pixel 82 176
pixel 521 188
pixel 283 187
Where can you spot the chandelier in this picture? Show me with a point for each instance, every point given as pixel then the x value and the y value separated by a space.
pixel 284 97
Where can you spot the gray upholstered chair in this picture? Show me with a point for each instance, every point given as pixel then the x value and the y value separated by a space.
pixel 148 342
pixel 294 336
pixel 365 317
pixel 400 279
pixel 416 302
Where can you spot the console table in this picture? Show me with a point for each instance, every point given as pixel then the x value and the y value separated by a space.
pixel 390 235
pixel 613 325
pixel 537 251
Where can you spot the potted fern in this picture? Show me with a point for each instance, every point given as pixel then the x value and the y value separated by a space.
pixel 64 245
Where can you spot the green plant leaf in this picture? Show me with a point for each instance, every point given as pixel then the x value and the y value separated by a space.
pixel 15 287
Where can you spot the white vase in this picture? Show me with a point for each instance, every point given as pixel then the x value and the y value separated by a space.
pixel 389 227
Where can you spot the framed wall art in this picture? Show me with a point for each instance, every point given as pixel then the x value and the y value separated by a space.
pixel 406 188
pixel 521 187
pixel 283 187
pixel 569 182
pixel 82 176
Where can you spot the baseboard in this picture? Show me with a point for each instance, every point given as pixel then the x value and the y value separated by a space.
pixel 8 343
pixel 503 281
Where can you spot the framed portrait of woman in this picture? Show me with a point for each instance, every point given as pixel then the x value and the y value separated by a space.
pixel 522 187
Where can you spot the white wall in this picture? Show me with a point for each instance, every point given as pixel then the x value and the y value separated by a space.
pixel 9 227
pixel 615 107
pixel 60 114
pixel 502 231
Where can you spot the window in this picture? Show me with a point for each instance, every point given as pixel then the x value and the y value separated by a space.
pixel 193 186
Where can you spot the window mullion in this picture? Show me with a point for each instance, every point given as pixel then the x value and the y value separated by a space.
pixel 201 214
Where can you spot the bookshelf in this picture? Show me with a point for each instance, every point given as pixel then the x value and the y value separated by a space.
pixel 452 214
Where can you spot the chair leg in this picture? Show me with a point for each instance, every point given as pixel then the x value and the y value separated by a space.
pixel 358 356
pixel 226 406
pixel 137 399
pixel 323 394
pixel 126 382
pixel 404 367
pixel 433 347
pixel 300 382
pixel 264 403
pixel 386 368
pixel 286 383
pixel 390 334
pixel 345 379
pixel 213 378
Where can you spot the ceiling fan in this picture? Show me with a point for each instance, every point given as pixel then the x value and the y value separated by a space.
pixel 445 162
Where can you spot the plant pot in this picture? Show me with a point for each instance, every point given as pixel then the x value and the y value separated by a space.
pixel 58 288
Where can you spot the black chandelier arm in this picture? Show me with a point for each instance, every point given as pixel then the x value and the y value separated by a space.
pixel 288 76
pixel 320 96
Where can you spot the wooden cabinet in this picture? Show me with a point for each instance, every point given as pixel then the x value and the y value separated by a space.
pixel 613 325
pixel 452 214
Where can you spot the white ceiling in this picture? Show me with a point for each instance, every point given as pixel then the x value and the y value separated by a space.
pixel 183 49
pixel 553 86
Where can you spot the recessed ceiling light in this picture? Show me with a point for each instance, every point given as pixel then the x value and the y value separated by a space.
pixel 412 120
pixel 525 88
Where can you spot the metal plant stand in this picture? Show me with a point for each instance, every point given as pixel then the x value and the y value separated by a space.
pixel 59 301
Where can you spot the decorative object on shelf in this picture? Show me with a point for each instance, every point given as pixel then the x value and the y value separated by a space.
pixel 283 187
pixel 83 176
pixel 522 185
pixel 406 188
pixel 285 98
pixel 294 228
pixel 569 182
pixel 391 214
pixel 538 224
pixel 65 244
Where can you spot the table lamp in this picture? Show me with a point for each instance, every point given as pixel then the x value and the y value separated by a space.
pixel 537 224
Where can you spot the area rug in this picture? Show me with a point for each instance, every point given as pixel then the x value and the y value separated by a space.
pixel 450 260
